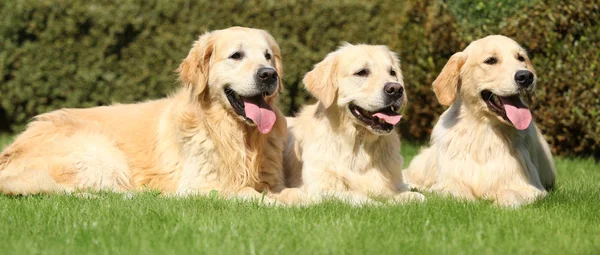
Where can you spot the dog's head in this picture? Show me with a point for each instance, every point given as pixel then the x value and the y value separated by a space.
pixel 363 81
pixel 239 68
pixel 489 77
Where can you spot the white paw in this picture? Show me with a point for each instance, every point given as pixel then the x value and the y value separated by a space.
pixel 409 197
pixel 515 199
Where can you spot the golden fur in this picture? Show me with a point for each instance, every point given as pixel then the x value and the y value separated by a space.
pixel 474 152
pixel 189 143
pixel 330 152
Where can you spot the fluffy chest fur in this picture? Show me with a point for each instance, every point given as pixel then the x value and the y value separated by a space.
pixel 223 154
pixel 349 158
pixel 482 156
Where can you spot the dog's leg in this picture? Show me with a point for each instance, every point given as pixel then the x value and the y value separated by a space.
pixel 31 176
pixel 518 197
pixel 323 184
pixel 408 197
pixel 68 175
pixel 454 188
pixel 62 157
pixel 421 173
pixel 294 196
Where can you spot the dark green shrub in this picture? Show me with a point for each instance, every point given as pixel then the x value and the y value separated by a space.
pixel 79 54
pixel 57 54
pixel 427 39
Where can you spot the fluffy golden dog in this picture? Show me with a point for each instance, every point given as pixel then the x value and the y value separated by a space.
pixel 344 146
pixel 485 145
pixel 220 131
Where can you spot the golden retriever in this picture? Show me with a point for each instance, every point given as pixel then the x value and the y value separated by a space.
pixel 485 145
pixel 219 131
pixel 344 146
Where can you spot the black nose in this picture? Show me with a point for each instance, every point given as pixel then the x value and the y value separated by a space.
pixel 267 75
pixel 393 90
pixel 524 78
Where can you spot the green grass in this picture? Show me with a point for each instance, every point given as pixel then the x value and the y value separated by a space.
pixel 567 222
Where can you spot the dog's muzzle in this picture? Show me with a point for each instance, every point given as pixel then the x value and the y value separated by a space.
pixel 266 80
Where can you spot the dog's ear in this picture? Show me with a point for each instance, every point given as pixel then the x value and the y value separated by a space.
pixel 446 85
pixel 193 71
pixel 321 82
pixel 276 57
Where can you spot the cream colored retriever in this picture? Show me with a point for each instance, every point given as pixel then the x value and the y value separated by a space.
pixel 486 144
pixel 344 146
pixel 219 131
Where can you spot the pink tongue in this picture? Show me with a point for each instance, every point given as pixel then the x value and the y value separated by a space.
pixel 391 119
pixel 517 112
pixel 260 112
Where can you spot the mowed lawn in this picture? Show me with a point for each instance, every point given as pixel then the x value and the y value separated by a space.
pixel 567 222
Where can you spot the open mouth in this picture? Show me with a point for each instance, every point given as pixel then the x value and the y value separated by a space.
pixel 510 108
pixel 253 109
pixel 382 120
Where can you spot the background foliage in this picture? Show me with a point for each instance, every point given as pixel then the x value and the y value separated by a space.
pixel 57 54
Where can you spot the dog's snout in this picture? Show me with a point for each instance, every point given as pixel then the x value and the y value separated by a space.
pixel 267 75
pixel 393 90
pixel 524 78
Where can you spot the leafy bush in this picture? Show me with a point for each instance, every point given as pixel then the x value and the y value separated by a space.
pixel 78 54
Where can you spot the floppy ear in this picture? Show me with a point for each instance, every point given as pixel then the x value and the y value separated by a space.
pixel 321 82
pixel 447 83
pixel 193 71
pixel 277 58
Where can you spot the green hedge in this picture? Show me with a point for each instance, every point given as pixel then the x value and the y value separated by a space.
pixel 77 54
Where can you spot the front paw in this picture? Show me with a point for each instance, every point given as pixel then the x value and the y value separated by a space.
pixel 408 197
pixel 293 196
pixel 514 199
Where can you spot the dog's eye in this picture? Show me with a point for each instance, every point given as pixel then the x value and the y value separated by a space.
pixel 392 72
pixel 491 61
pixel 362 73
pixel 520 58
pixel 268 56
pixel 236 56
